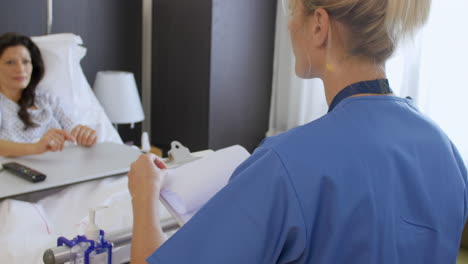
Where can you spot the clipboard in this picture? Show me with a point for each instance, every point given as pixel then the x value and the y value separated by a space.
pixel 180 221
pixel 178 156
pixel 189 187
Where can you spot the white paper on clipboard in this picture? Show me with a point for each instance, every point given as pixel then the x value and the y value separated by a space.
pixel 188 187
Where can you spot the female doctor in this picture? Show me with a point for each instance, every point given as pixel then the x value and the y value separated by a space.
pixel 372 181
pixel 30 122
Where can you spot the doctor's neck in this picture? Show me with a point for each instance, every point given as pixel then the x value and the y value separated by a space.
pixel 338 76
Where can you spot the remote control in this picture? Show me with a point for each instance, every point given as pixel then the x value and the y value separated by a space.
pixel 24 172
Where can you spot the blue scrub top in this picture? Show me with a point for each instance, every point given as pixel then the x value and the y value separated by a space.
pixel 373 181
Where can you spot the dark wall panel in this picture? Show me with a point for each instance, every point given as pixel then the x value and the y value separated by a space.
pixel 24 16
pixel 241 73
pixel 110 29
pixel 212 72
pixel 180 78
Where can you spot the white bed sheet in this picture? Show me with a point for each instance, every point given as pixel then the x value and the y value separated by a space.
pixel 28 229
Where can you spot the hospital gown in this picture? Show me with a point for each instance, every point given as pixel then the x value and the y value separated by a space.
pixel 373 181
pixel 49 113
pixel 18 218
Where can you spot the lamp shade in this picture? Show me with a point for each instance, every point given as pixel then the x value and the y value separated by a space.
pixel 117 92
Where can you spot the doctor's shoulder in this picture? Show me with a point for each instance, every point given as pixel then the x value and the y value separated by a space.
pixel 314 133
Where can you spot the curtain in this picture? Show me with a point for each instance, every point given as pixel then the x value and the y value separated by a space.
pixel 431 68
pixel 294 101
pixel 444 70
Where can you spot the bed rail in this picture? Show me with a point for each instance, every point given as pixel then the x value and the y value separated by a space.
pixel 119 239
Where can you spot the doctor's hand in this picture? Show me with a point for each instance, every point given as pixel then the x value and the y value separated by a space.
pixel 53 140
pixel 84 135
pixel 146 177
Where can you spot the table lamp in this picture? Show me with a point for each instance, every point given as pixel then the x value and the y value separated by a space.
pixel 117 92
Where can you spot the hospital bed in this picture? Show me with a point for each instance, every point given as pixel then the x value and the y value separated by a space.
pixel 30 224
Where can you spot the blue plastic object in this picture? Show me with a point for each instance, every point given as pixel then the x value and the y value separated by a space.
pixel 100 248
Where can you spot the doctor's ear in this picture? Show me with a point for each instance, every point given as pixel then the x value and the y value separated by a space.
pixel 320 23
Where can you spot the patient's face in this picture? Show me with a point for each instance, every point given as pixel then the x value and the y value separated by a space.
pixel 15 69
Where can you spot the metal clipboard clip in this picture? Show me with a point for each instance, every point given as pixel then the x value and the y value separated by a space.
pixel 178 155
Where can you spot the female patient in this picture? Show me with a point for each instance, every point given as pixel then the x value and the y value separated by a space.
pixel 30 122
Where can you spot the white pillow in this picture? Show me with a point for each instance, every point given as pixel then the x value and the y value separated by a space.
pixel 64 78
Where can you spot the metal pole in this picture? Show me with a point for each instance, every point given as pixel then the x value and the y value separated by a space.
pixel 146 58
pixel 49 16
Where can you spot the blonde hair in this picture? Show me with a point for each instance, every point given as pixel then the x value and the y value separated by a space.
pixel 375 27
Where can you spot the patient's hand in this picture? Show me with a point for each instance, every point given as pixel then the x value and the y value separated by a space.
pixel 53 140
pixel 84 135
pixel 146 177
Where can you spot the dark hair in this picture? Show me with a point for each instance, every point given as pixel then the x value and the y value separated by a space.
pixel 29 93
